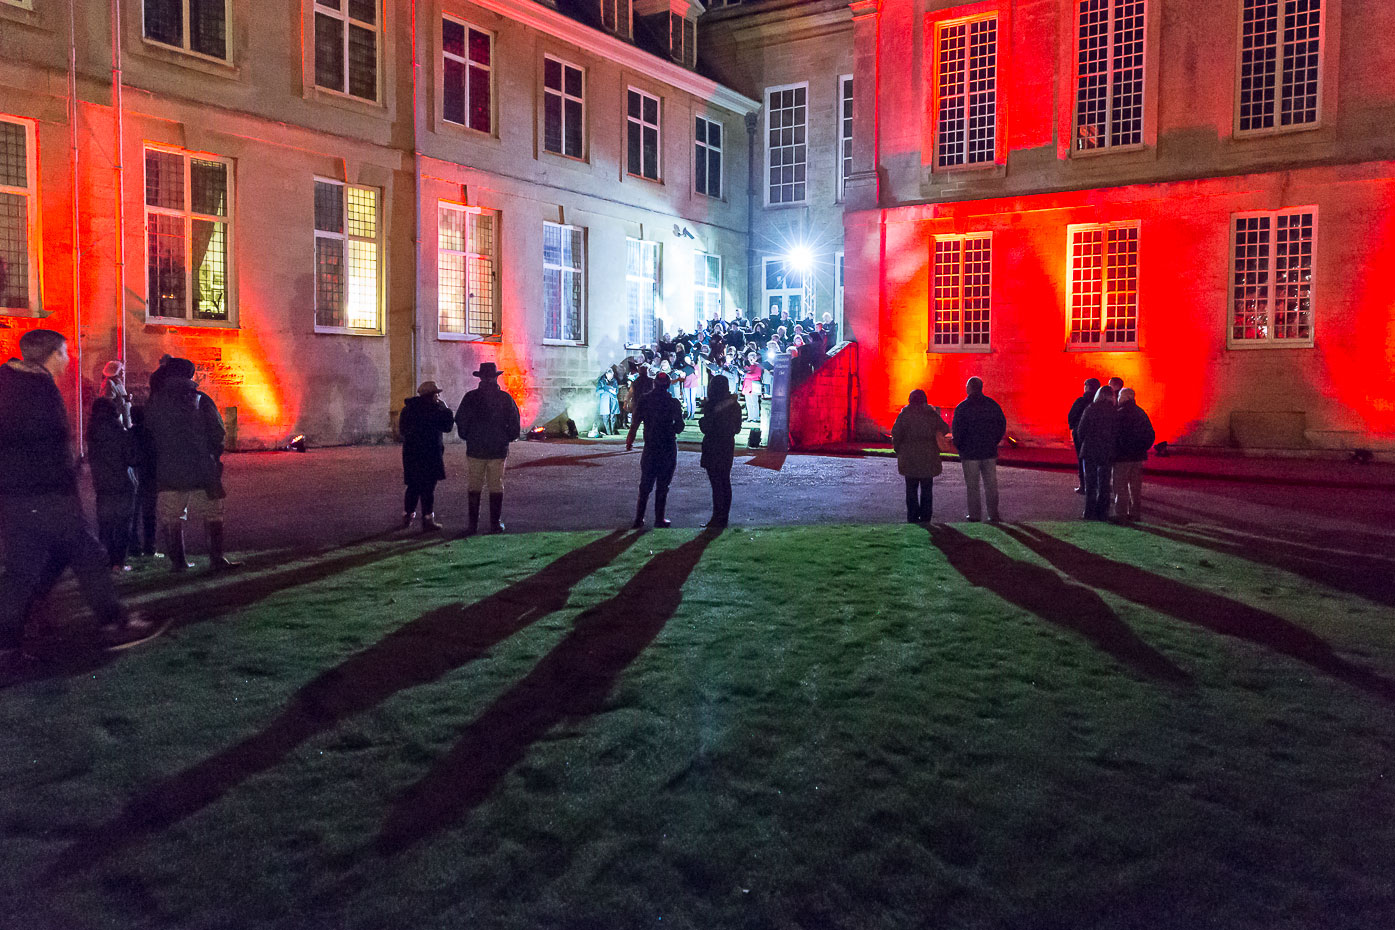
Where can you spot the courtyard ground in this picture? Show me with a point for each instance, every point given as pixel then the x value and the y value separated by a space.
pixel 823 718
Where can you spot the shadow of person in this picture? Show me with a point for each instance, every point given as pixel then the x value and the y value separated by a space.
pixel 774 461
pixel 570 682
pixel 1199 607
pixel 564 460
pixel 423 650
pixel 1042 592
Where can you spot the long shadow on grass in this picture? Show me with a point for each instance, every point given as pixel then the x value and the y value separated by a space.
pixel 1041 591
pixel 566 460
pixel 1202 608
pixel 422 651
pixel 571 681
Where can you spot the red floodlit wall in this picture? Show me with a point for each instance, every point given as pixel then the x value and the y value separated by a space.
pixel 822 408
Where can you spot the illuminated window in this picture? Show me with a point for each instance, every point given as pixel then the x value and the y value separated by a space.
pixel 786 150
pixel 564 283
pixel 192 25
pixel 641 289
pixel 707 161
pixel 642 134
pixel 963 292
pixel 682 40
pixel 845 126
pixel 564 107
pixel 1109 74
pixel 1271 298
pixel 707 287
pixel 346 47
pixel 19 239
pixel 1280 57
pixel 467 278
pixel 967 98
pixel 784 290
pixel 467 65
pixel 188 229
pixel 347 278
pixel 1104 286
pixel 615 16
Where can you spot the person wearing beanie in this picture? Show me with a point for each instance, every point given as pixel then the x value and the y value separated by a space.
pixel 111 455
pixel 114 390
pixel 423 423
pixel 1077 410
pixel 662 417
pixel 915 437
pixel 1099 433
pixel 488 420
pixel 1135 438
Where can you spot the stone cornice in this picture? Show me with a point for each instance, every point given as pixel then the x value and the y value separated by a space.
pixel 787 22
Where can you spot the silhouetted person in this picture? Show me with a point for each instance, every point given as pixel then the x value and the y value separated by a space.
pixel 1098 432
pixel 114 389
pixel 488 420
pixel 423 423
pixel 1135 438
pixel 111 455
pixel 915 436
pixel 1092 385
pixel 662 417
pixel 1116 384
pixel 979 425
pixel 720 422
pixel 147 495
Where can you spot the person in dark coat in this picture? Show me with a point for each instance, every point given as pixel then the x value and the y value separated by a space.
pixel 607 402
pixel 488 420
pixel 42 526
pixel 1099 433
pixel 720 422
pixel 111 455
pixel 916 438
pixel 979 425
pixel 189 434
pixel 662 418
pixel 147 494
pixel 423 423
pixel 1073 421
pixel 1135 438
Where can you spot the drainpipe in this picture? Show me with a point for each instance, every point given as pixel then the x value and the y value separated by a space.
pixel 119 169
pixel 77 241
pixel 416 198
pixel 751 271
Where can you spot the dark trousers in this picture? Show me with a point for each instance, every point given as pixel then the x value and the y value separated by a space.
pixel 424 491
pixel 919 499
pixel 143 522
pixel 1097 488
pixel 656 468
pixel 720 479
pixel 1079 465
pixel 114 512
pixel 44 534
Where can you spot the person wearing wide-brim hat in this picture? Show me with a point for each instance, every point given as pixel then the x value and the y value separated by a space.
pixel 662 417
pixel 423 423
pixel 488 421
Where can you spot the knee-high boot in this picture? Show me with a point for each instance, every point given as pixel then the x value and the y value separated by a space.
pixel 174 544
pixel 496 507
pixel 472 508
pixel 642 506
pixel 660 505
pixel 217 558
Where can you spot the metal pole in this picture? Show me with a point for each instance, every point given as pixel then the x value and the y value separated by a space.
pixel 77 234
pixel 118 108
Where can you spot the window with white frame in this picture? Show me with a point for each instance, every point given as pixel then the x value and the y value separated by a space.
pixel 839 288
pixel 19 217
pixel 346 47
pixel 1280 60
pixel 707 287
pixel 966 65
pixel 786 149
pixel 192 25
pixel 845 129
pixel 348 250
pixel 467 288
pixel 1109 75
pixel 467 62
pixel 682 40
pixel 1104 286
pixel 707 157
pixel 564 107
pixel 188 228
pixel 642 134
pixel 1272 278
pixel 963 292
pixel 615 16
pixel 564 283
pixel 784 290
pixel 641 290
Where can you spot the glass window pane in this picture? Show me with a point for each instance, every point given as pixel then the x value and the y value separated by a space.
pixel 714 174
pixel 700 129
pixel 208 27
pixel 14 158
pixel 481 116
pixel 329 207
pixel 573 77
pixel 479 47
pixel 363 213
pixel 633 146
pixel 453 92
pixel 164 21
pixel 329 282
pixel 632 104
pixel 164 179
pixel 552 123
pixel 651 153
pixel 363 63
pixel 552 74
pixel 453 37
pixel 329 52
pixel 14 251
pixel 573 128
pixel 361 311
pixel 651 110
pixel 209 180
pixel 210 245
pixel 167 278
pixel 364 10
pixel 451 229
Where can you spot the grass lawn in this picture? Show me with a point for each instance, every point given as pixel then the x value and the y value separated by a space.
pixel 1048 726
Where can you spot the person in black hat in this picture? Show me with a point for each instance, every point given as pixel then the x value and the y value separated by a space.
pixel 488 421
pixel 662 416
pixel 422 423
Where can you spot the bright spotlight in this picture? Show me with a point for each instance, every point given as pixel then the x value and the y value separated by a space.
pixel 800 259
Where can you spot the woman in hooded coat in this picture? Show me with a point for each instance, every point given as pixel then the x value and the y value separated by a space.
pixel 720 422
pixel 916 438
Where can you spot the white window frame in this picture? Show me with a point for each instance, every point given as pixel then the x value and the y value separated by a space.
pixel 840 282
pixel 184 45
pixel 783 292
pixel 1110 70
pixel 580 270
pixel 804 163
pixel 845 140
pixel 469 216
pixel 347 237
pixel 639 121
pixel 342 14
pixel 1278 126
pixel 187 214
pixel 654 289
pixel 563 96
pixel 1270 342
pixel 682 39
pixel 703 149
pixel 959 344
pixel 467 64
pixel 963 163
pixel 32 238
pixel 622 26
pixel 701 291
pixel 1102 345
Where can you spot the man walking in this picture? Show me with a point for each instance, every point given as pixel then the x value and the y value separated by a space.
pixel 979 425
pixel 662 417
pixel 1099 433
pixel 1077 409
pixel 41 521
pixel 422 423
pixel 1131 450
pixel 488 421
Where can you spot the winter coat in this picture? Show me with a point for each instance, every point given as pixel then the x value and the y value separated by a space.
pixel 915 437
pixel 1098 432
pixel 751 378
pixel 488 421
pixel 979 425
pixel 720 422
pixel 36 454
pixel 1077 409
pixel 111 455
pixel 662 418
pixel 1136 434
pixel 188 433
pixel 114 390
pixel 423 423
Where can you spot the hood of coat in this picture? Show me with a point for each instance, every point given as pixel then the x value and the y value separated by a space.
pixel 417 400
pixel 28 368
